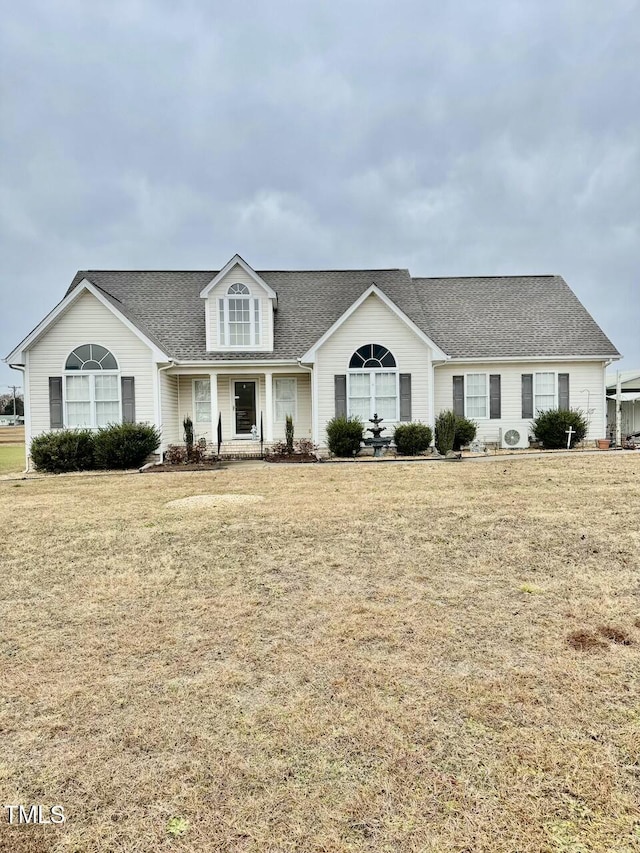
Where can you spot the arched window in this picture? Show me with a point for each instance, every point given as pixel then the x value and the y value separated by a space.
pixel 373 383
pixel 92 387
pixel 372 355
pixel 239 289
pixel 239 317
pixel 91 357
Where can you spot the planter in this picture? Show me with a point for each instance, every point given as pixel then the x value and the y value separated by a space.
pixel 603 443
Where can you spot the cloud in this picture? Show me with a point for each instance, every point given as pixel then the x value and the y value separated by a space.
pixel 457 138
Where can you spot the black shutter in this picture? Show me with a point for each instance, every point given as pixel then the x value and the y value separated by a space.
pixel 340 382
pixel 527 395
pixel 55 402
pixel 494 396
pixel 458 395
pixel 405 396
pixel 128 385
pixel 563 391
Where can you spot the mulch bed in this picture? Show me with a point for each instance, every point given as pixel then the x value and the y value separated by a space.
pixel 297 457
pixel 192 466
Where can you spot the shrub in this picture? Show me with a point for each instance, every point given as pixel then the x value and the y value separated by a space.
pixel 63 450
pixel 305 447
pixel 125 445
pixel 344 436
pixel 175 454
pixel 549 428
pixel 288 431
pixel 445 431
pixel 411 439
pixel 187 424
pixel 465 432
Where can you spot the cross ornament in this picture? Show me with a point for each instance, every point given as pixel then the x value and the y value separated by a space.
pixel 569 433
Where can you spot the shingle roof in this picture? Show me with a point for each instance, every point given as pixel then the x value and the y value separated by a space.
pixel 506 316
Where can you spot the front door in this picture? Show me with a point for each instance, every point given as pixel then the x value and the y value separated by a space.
pixel 245 406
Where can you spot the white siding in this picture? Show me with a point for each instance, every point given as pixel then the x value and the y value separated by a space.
pixel 88 321
pixel 169 403
pixel 583 376
pixel 237 274
pixel 373 323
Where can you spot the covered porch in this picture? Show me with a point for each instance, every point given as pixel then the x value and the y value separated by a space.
pixel 242 404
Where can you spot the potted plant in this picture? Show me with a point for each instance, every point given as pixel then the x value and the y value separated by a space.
pixel 603 443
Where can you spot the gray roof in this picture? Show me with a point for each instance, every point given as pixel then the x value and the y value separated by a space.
pixel 504 316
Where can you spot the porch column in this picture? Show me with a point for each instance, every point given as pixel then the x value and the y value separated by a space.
pixel 268 405
pixel 213 379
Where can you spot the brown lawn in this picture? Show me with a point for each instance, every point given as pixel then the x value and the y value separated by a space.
pixel 432 657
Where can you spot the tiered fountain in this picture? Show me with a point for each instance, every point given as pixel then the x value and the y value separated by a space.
pixel 376 441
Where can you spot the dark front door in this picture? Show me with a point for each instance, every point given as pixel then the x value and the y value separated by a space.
pixel 245 403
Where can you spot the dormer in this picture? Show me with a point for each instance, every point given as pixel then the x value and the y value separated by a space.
pixel 239 307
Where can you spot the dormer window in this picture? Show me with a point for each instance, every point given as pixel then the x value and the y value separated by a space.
pixel 239 317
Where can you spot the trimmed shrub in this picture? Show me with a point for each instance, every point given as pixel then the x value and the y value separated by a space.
pixel 344 436
pixel 63 450
pixel 288 431
pixel 411 439
pixel 125 445
pixel 465 432
pixel 549 428
pixel 445 431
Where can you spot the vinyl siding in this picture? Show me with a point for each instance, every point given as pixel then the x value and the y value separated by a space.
pixel 87 320
pixel 583 377
pixel 237 274
pixel 170 416
pixel 373 322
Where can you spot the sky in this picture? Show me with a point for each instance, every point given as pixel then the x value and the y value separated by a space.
pixel 457 138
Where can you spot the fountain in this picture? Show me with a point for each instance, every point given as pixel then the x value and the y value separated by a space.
pixel 376 441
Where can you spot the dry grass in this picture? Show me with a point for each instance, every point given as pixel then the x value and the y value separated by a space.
pixel 12 459
pixel 373 658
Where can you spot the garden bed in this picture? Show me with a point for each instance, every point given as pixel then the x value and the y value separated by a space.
pixel 162 467
pixel 295 458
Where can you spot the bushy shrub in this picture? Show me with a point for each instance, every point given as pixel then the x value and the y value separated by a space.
pixel 465 432
pixel 187 424
pixel 344 436
pixel 305 447
pixel 549 428
pixel 445 431
pixel 125 445
pixel 175 454
pixel 288 431
pixel 411 439
pixel 63 450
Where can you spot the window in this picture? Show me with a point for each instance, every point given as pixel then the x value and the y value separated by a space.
pixel 239 318
pixel 285 396
pixel 476 395
pixel 373 383
pixel 92 387
pixel 544 392
pixel 202 401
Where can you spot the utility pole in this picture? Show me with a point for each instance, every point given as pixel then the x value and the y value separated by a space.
pixel 618 410
pixel 14 388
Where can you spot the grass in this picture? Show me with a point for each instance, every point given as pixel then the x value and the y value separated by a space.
pixel 11 458
pixel 358 662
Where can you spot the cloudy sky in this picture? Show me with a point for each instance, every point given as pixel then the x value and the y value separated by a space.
pixel 455 138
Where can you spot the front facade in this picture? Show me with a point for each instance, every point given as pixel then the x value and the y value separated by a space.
pixel 238 350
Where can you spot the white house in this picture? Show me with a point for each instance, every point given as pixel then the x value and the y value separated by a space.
pixel 247 348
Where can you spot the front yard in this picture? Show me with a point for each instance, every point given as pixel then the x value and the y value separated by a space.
pixel 357 658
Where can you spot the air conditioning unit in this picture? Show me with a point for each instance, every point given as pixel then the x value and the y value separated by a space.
pixel 515 437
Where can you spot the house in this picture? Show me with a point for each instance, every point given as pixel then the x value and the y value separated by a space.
pixel 243 347
pixel 629 403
